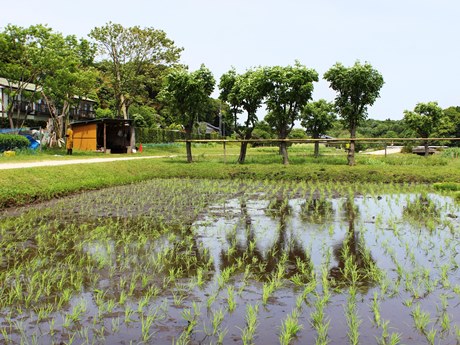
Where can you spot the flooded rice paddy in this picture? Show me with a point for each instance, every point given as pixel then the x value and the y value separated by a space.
pixel 201 262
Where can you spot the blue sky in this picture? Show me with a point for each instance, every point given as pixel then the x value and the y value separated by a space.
pixel 412 43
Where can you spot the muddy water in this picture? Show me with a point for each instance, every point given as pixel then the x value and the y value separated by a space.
pixel 228 249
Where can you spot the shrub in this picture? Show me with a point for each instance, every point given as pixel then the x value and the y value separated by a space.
pixel 451 152
pixel 13 141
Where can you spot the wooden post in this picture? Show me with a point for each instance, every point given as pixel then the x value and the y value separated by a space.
pixel 105 137
pixel 225 153
pixel 385 150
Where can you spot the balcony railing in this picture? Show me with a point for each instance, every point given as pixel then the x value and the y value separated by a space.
pixel 82 114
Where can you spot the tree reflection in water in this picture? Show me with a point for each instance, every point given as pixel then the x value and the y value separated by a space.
pixel 286 249
pixel 355 263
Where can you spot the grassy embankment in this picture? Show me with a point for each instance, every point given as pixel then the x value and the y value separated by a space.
pixel 21 186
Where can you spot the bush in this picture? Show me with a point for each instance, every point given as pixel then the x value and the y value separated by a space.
pixel 13 141
pixel 449 186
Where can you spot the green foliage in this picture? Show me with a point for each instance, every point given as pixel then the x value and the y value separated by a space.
pixel 158 135
pixel 425 118
pixel 102 113
pixel 297 133
pixel 144 116
pixel 12 142
pixel 451 152
pixel 357 87
pixel 453 116
pixel 186 94
pixel 318 117
pixel 243 92
pixel 288 90
pixel 136 58
pixel 448 186
pixel 59 67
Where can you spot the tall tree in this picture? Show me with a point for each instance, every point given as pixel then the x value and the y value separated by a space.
pixel 357 87
pixel 424 120
pixel 187 96
pixel 453 116
pixel 58 66
pixel 243 93
pixel 132 52
pixel 288 90
pixel 21 53
pixel 67 75
pixel 317 118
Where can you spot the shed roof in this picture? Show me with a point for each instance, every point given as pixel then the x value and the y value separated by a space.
pixel 103 120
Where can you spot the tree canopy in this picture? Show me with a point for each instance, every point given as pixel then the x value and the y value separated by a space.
pixel 424 120
pixel 135 56
pixel 288 90
pixel 317 118
pixel 243 93
pixel 357 88
pixel 187 96
pixel 59 67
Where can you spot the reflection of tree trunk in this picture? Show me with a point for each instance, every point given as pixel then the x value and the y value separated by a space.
pixel 351 150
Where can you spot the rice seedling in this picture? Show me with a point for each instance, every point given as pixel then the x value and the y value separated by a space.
pixel 421 319
pixel 146 324
pixel 289 328
pixel 231 298
pixel 217 318
pixel 353 320
pixel 248 333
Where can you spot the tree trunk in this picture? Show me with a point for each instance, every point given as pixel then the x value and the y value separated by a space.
pixel 243 149
pixel 123 107
pixel 188 144
pixel 316 146
pixel 351 150
pixel 284 152
pixel 427 149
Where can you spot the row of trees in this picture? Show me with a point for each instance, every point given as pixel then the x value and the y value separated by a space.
pixel 135 72
pixel 286 93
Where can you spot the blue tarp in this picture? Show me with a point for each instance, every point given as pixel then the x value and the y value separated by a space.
pixel 34 144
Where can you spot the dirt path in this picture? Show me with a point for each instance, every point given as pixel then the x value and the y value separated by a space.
pixel 390 150
pixel 20 165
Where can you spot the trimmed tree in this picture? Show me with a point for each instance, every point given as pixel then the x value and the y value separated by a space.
pixel 288 90
pixel 357 88
pixel 317 118
pixel 187 96
pixel 424 120
pixel 243 92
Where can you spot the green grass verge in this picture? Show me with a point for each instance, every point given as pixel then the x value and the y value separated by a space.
pixel 22 186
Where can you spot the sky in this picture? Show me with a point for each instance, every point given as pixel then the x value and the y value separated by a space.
pixel 414 44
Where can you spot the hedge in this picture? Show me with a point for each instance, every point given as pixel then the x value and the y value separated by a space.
pixel 158 135
pixel 13 141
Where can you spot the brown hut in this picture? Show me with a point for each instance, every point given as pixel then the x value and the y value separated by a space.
pixel 107 135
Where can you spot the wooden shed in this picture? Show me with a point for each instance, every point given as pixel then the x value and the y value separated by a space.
pixel 107 135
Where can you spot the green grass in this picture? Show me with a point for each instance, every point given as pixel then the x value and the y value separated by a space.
pixel 21 186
